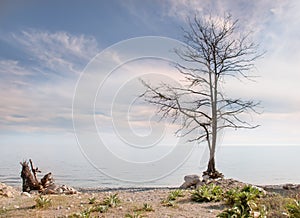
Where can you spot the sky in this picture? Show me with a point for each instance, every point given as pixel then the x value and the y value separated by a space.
pixel 46 47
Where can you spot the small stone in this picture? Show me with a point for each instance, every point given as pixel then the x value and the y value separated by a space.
pixel 256 214
pixel 260 189
pixel 16 206
pixel 26 194
pixel 8 194
pixel 289 186
pixel 68 208
pixel 60 190
pixel 205 178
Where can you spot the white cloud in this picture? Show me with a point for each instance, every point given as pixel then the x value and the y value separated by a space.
pixel 36 94
pixel 254 15
pixel 61 52
pixel 12 67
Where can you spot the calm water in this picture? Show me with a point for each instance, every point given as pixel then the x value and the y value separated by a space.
pixel 258 165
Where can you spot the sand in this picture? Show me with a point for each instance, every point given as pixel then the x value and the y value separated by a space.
pixel 132 201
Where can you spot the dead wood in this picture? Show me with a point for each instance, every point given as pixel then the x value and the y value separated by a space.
pixel 45 186
pixel 30 181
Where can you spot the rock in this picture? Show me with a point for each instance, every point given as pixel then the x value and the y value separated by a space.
pixel 205 178
pixel 26 194
pixel 260 189
pixel 256 214
pixel 59 191
pixel 290 186
pixel 6 191
pixel 8 194
pixel 190 180
pixel 56 189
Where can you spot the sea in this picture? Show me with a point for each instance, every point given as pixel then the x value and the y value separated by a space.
pixel 260 165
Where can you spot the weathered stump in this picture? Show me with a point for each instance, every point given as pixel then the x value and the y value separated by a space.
pixel 29 178
pixel 45 186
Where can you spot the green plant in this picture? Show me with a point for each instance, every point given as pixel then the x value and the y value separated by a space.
pixel 100 208
pixel 146 207
pixel 243 203
pixel 92 200
pixel 255 192
pixel 294 209
pixel 234 212
pixel 257 210
pixel 168 203
pixel 42 202
pixel 134 215
pixel 86 213
pixel 173 195
pixel 207 193
pixel 112 200
pixel 243 196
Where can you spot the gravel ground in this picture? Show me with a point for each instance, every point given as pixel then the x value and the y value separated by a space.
pixel 132 201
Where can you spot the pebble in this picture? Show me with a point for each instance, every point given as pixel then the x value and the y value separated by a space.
pixel 16 206
pixel 26 194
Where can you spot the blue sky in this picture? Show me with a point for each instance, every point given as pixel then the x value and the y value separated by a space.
pixel 45 45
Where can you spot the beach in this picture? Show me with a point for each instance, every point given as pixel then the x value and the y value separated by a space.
pixel 131 201
pixel 127 202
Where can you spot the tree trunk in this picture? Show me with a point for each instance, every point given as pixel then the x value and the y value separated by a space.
pixel 211 171
pixel 211 167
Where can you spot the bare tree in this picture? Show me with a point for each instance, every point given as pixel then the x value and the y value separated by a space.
pixel 215 49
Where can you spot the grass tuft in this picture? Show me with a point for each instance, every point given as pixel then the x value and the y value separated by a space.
pixel 42 202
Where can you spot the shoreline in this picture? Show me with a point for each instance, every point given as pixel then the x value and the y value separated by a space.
pixel 285 186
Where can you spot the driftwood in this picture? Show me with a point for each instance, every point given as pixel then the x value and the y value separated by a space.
pixel 30 181
pixel 45 186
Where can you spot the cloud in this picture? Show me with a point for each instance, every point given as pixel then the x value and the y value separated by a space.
pixel 12 67
pixel 36 93
pixel 253 14
pixel 60 52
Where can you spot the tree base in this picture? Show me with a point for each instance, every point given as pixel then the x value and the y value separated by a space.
pixel 213 174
